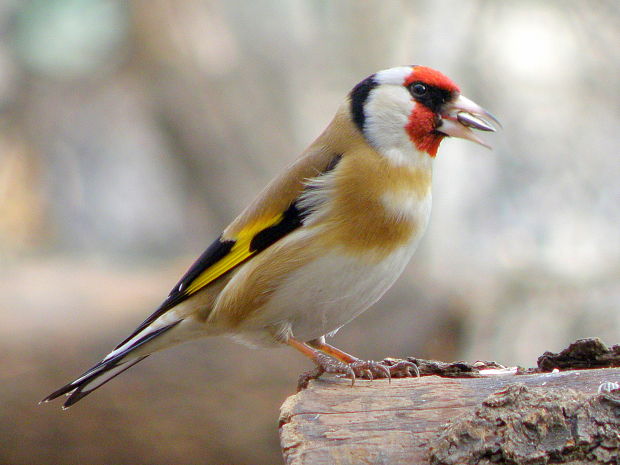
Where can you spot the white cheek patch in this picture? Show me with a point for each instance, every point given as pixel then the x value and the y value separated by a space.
pixel 387 112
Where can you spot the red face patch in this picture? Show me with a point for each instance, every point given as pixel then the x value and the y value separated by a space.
pixel 421 130
pixel 422 121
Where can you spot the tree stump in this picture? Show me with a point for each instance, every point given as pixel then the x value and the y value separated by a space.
pixel 490 416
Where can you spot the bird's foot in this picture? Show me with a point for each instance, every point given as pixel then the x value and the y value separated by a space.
pixel 358 369
pixel 371 369
pixel 401 368
pixel 324 364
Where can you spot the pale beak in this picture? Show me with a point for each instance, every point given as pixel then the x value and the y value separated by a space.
pixel 457 117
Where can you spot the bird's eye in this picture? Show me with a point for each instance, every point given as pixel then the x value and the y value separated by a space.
pixel 418 89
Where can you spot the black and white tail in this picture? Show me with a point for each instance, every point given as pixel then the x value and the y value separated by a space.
pixel 114 364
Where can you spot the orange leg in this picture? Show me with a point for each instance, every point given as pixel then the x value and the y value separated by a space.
pixel 303 348
pixel 324 364
pixel 321 345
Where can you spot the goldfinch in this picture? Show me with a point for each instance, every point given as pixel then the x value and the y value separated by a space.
pixel 324 240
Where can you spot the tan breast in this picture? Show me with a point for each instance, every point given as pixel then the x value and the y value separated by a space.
pixel 376 205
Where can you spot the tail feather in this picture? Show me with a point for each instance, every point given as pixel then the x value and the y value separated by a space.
pixel 101 374
pixel 104 371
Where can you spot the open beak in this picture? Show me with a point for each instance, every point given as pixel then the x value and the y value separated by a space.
pixel 459 117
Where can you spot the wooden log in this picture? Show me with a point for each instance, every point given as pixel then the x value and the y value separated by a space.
pixel 561 417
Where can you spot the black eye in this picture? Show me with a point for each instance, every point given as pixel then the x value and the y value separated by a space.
pixel 418 89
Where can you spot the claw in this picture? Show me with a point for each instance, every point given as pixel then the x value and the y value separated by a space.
pixel 386 371
pixel 350 374
pixel 370 369
pixel 403 368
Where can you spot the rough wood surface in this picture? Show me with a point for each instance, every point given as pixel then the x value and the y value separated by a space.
pixel 531 418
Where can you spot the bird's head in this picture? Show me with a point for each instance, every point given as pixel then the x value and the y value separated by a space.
pixel 415 105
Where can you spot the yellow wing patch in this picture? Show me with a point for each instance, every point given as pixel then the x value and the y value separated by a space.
pixel 238 253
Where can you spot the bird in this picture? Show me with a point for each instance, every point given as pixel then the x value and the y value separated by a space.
pixel 323 241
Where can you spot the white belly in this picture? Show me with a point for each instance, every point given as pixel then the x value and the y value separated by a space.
pixel 333 290
pixel 325 294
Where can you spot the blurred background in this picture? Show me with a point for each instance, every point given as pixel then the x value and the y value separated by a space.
pixel 132 132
